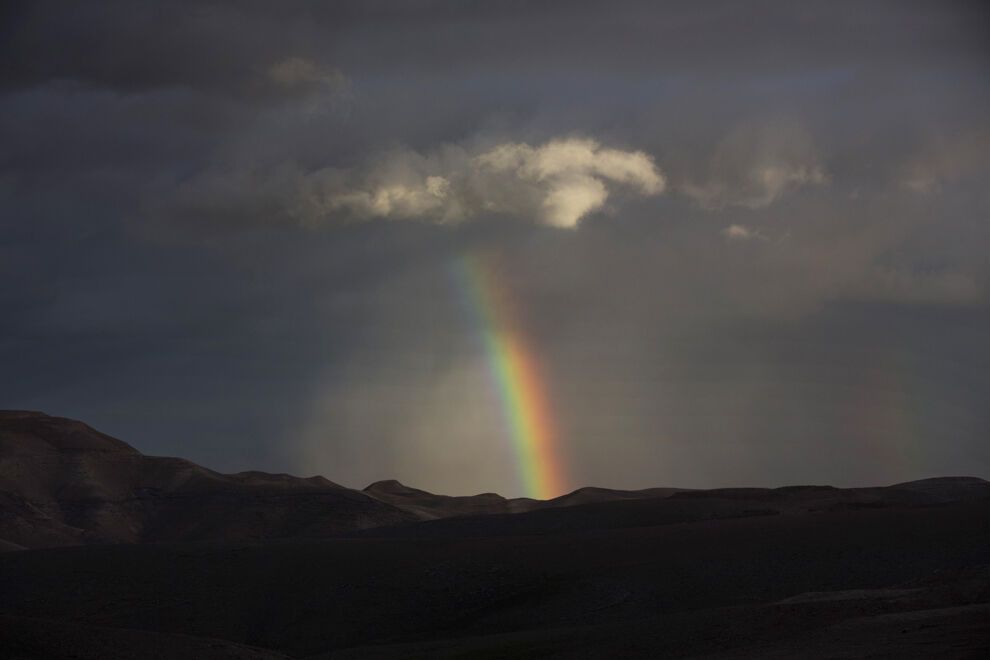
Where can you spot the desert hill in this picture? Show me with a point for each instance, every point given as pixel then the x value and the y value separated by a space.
pixel 430 506
pixel 427 506
pixel 64 483
pixel 600 508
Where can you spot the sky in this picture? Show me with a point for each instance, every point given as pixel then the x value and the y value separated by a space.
pixel 742 243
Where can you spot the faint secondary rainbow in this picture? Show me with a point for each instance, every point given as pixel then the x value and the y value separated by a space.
pixel 515 371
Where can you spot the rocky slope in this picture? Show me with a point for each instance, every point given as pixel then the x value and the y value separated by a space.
pixel 64 483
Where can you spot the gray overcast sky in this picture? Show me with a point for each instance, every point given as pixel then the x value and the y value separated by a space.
pixel 747 241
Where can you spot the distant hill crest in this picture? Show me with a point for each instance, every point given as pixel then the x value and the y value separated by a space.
pixel 63 482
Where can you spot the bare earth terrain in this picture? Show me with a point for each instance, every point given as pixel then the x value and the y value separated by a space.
pixel 106 553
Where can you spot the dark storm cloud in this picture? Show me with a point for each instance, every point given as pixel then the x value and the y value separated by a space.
pixel 216 48
pixel 228 231
pixel 224 46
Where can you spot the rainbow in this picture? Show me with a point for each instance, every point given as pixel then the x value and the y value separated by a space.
pixel 515 371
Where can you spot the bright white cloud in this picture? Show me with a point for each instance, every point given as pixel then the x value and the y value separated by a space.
pixel 396 200
pixel 557 183
pixel 570 200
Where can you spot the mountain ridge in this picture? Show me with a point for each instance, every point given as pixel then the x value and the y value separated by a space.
pixel 63 482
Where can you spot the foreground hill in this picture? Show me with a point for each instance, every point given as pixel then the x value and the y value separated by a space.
pixel 64 483
pixel 875 582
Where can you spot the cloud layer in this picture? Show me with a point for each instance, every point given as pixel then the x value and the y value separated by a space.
pixel 556 183
pixel 756 164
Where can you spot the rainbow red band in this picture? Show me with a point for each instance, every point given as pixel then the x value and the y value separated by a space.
pixel 515 370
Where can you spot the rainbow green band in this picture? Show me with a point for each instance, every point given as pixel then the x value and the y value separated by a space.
pixel 516 373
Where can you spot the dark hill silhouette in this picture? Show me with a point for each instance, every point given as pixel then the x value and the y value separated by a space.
pixel 590 494
pixel 427 506
pixel 430 506
pixel 64 483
